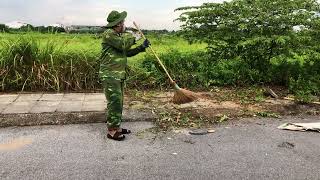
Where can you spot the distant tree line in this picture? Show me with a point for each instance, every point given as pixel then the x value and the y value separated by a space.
pixel 30 28
pixel 4 28
pixel 72 30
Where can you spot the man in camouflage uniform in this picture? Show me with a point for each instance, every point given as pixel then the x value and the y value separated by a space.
pixel 116 47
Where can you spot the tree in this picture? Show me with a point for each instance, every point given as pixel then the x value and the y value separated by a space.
pixel 42 29
pixel 254 31
pixel 26 28
pixel 3 28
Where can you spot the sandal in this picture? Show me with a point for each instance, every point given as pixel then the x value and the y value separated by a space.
pixel 117 136
pixel 125 131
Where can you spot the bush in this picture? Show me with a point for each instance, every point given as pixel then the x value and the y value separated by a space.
pixel 199 70
pixel 260 40
pixel 187 69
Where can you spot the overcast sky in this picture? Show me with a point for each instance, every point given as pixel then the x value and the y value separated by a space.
pixel 150 14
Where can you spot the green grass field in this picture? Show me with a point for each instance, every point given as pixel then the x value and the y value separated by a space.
pixel 59 62
pixel 91 44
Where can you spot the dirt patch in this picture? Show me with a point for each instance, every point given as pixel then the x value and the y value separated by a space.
pixel 220 105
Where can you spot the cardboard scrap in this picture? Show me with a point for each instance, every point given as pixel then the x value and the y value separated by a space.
pixel 301 126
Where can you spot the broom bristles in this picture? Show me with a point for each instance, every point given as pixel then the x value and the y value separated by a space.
pixel 183 96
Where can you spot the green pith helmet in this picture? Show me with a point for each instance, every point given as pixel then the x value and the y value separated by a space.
pixel 115 18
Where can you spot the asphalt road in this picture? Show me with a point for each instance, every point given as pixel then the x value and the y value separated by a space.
pixel 246 149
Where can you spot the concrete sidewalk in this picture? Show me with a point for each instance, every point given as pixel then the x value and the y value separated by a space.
pixel 43 108
pixel 50 103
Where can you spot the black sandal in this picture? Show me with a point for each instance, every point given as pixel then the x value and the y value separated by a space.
pixel 117 136
pixel 125 131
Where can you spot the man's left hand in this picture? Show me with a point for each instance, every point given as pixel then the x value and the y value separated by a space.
pixel 146 43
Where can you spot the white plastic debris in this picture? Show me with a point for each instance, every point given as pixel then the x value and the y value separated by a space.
pixel 301 126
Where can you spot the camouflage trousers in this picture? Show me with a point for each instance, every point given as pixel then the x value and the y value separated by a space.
pixel 113 90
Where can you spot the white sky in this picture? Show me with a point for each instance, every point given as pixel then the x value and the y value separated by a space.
pixel 150 14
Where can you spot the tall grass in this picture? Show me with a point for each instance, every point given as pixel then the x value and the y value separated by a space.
pixel 63 62
pixel 31 63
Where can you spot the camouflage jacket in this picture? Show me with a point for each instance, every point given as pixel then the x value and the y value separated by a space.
pixel 115 50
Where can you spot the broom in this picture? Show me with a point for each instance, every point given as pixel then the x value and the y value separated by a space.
pixel 181 96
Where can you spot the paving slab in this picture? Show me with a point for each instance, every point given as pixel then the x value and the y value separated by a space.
pixel 94 106
pixel 28 97
pixel 51 97
pixel 5 102
pixel 95 97
pixel 73 97
pixel 19 107
pixel 2 107
pixel 45 107
pixel 70 106
pixel 8 98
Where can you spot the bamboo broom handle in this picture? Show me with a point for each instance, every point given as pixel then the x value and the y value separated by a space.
pixel 164 68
